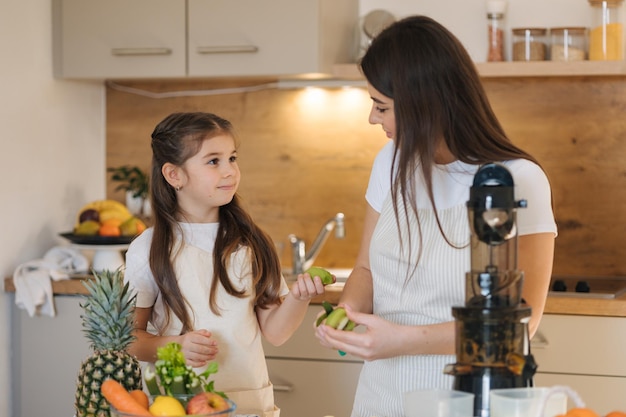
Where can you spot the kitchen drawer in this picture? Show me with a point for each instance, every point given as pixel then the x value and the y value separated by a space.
pixel 304 345
pixel 304 388
pixel 581 345
pixel 602 394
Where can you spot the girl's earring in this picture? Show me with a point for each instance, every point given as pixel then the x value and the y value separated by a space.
pixel 177 188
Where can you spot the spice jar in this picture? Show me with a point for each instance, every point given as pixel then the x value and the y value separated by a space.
pixel 495 30
pixel 568 44
pixel 529 44
pixel 606 38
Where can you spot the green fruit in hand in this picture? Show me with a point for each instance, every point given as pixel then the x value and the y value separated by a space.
pixel 87 228
pixel 325 276
pixel 339 320
pixel 328 307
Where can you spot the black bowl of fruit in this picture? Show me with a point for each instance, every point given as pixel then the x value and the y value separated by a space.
pixel 105 222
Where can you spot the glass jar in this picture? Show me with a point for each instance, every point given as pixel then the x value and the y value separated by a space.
pixel 606 38
pixel 529 44
pixel 568 44
pixel 495 30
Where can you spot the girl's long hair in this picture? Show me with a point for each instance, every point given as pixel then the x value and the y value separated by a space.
pixel 175 139
pixel 437 96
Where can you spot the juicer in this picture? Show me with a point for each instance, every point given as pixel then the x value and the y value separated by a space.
pixel 492 341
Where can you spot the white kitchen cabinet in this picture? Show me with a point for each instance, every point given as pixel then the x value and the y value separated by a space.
pixel 310 380
pixel 586 353
pixel 119 38
pixel 304 388
pixel 201 38
pixel 46 356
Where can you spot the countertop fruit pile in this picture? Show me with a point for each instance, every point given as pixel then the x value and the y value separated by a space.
pixel 176 390
pixel 107 218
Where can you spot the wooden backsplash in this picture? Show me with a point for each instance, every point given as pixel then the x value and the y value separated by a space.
pixel 302 162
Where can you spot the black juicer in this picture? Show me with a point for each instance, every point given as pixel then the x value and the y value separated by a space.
pixel 492 343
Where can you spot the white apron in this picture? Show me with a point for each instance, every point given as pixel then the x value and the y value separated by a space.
pixel 242 372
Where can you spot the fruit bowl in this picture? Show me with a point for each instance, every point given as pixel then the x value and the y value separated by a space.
pixel 184 400
pixel 97 240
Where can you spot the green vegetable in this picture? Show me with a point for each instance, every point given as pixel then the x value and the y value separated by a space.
pixel 172 376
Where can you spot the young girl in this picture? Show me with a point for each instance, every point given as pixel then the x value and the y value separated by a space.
pixel 206 276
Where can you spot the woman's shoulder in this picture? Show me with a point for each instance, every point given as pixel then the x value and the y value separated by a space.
pixel 522 165
pixel 524 170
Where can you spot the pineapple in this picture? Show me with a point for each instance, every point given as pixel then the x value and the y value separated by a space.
pixel 108 324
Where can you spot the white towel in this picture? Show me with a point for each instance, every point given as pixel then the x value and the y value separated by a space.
pixel 32 280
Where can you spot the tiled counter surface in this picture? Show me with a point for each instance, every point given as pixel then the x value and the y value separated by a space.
pixel 555 304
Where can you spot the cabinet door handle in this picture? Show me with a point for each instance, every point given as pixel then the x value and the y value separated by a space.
pixel 242 49
pixel 539 341
pixel 283 388
pixel 140 51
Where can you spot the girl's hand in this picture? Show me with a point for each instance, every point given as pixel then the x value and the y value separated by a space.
pixel 306 288
pixel 198 347
pixel 381 339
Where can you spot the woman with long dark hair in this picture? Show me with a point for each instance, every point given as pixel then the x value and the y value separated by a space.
pixel 410 270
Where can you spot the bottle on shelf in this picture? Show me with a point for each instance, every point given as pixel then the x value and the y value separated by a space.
pixel 495 30
pixel 529 44
pixel 568 44
pixel 606 38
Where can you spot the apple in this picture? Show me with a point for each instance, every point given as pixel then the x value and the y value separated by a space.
pixel 206 403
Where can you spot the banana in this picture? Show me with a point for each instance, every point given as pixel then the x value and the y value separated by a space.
pixel 335 318
pixel 109 214
pixel 326 277
pixel 107 209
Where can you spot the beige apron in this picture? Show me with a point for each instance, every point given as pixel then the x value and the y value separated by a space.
pixel 242 372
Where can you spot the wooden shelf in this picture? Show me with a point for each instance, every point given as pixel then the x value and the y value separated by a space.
pixel 522 69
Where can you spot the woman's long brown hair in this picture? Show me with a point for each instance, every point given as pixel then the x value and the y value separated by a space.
pixel 437 96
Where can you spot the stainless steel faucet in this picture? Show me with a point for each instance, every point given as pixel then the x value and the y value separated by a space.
pixel 303 259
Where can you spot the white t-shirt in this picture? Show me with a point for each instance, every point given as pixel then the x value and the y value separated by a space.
pixel 242 372
pixel 438 282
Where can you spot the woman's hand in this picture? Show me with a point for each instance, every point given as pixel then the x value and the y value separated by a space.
pixel 198 347
pixel 383 339
pixel 380 340
pixel 306 287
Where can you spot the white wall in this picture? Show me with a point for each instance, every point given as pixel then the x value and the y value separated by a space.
pixel 52 157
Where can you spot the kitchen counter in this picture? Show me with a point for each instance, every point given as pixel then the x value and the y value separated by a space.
pixel 554 305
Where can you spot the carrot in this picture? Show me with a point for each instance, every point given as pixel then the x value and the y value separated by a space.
pixel 121 399
pixel 141 397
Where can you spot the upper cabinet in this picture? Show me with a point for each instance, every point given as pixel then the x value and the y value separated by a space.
pixel 119 38
pixel 108 39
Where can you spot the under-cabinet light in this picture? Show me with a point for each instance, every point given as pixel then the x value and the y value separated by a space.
pixel 297 84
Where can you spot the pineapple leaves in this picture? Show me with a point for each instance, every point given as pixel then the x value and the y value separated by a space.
pixel 108 325
pixel 108 311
